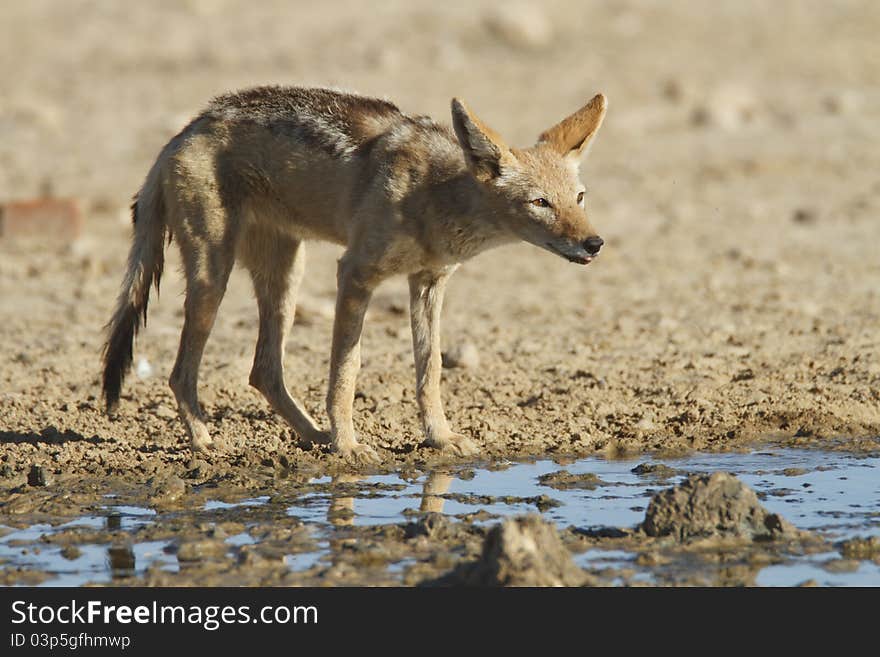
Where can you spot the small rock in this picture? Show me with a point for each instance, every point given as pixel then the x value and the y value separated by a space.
pixel 432 525
pixel 845 102
pixel 713 505
pixel 804 216
pixel 71 552
pixel 314 311
pixel 197 469
pixel 841 565
pixel 122 560
pixel 528 347
pixel 564 480
pixel 520 25
pixel 200 550
pixel 672 90
pixel 384 57
pixel 658 470
pixel 729 107
pixel 794 472
pixel 44 218
pixel 144 370
pixel 523 551
pixel 463 355
pixel 860 548
pixel 166 490
pixel 165 412
pixel 36 476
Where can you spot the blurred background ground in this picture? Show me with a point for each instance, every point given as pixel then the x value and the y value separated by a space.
pixel 734 181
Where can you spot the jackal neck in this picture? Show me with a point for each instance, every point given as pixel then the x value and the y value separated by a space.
pixel 460 221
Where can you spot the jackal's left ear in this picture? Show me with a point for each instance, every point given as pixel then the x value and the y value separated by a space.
pixel 483 148
pixel 572 136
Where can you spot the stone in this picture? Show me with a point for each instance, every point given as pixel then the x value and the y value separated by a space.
pixel 58 219
pixel 463 355
pixel 520 25
pixel 521 551
pixel 713 505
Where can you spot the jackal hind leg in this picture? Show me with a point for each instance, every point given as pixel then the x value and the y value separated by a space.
pixel 207 264
pixel 277 263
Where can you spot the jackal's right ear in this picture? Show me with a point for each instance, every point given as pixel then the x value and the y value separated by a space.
pixel 483 147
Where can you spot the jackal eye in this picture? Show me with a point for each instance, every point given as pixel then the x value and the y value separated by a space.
pixel 540 202
pixel 580 197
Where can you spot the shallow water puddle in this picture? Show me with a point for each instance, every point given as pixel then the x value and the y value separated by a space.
pixel 835 494
pixel 86 563
pixel 213 505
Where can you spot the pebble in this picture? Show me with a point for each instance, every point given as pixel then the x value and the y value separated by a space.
pixel 36 476
pixel 860 548
pixel 144 370
pixel 520 25
pixel 521 551
pixel 71 552
pixel 201 549
pixel 314 311
pixel 464 355
pixel 845 102
pixel 804 216
pixel 658 470
pixel 166 490
pixel 165 412
pixel 730 107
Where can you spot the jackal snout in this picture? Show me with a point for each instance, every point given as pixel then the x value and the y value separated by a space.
pixel 593 244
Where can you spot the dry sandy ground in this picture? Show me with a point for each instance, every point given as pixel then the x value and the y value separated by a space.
pixel 734 181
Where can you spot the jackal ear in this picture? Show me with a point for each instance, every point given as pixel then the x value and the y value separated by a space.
pixel 572 136
pixel 483 147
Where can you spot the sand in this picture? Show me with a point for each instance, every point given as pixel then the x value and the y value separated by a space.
pixel 734 182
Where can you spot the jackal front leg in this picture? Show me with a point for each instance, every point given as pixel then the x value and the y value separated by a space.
pixel 426 300
pixel 352 298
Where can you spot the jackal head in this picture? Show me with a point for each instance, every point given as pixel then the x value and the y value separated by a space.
pixel 536 192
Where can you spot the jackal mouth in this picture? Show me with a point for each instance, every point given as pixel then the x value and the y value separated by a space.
pixel 581 259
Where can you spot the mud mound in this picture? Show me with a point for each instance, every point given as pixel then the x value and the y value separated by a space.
pixel 524 551
pixel 565 480
pixel 860 548
pixel 713 505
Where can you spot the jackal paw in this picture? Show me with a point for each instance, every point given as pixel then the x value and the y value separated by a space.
pixel 201 441
pixel 358 454
pixel 319 438
pixel 454 443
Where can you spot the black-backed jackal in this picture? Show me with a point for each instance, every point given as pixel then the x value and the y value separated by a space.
pixel 261 171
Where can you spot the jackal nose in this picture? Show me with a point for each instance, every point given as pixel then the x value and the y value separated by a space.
pixel 593 244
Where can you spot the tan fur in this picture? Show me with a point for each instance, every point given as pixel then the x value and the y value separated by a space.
pixel 260 172
pixel 573 134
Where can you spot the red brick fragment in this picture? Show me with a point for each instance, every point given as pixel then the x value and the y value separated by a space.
pixel 43 218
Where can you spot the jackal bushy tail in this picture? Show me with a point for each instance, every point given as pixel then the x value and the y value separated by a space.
pixel 145 263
